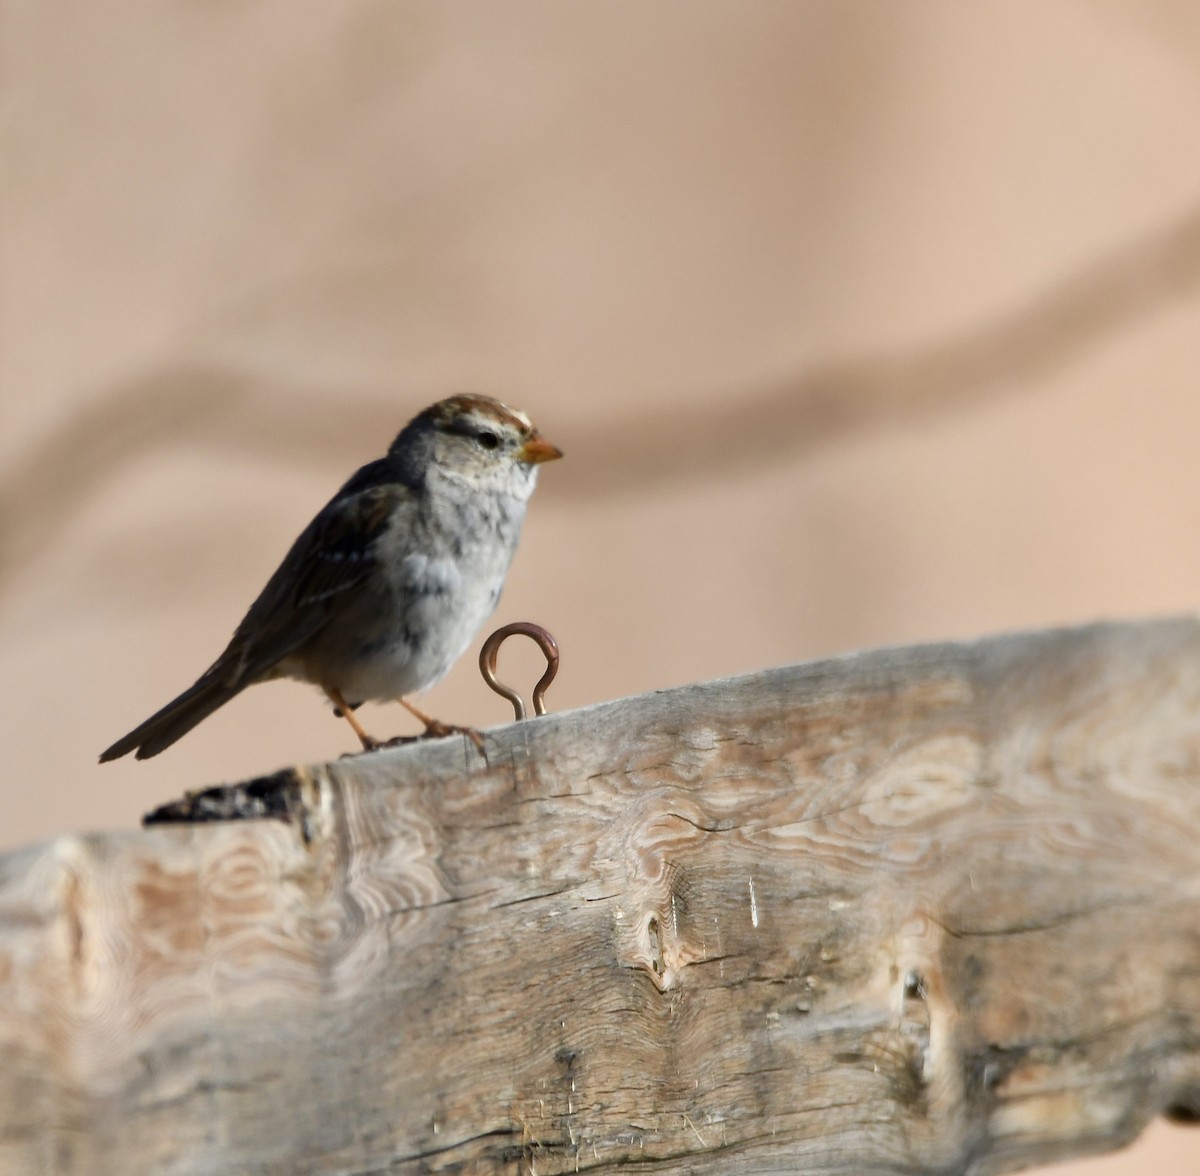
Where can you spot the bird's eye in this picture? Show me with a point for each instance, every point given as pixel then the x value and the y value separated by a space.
pixel 489 440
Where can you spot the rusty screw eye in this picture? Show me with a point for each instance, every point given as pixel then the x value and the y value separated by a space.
pixel 491 651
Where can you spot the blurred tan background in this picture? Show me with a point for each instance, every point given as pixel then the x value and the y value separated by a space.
pixel 860 323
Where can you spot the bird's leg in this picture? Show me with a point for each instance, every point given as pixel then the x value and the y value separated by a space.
pixel 343 709
pixel 435 728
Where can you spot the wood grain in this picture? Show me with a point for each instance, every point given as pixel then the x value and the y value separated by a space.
pixel 918 910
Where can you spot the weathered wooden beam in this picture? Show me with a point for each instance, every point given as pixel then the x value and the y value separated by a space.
pixel 919 910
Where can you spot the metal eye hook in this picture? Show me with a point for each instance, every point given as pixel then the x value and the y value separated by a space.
pixel 491 650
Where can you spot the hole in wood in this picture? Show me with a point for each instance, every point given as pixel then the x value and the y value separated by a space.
pixel 652 932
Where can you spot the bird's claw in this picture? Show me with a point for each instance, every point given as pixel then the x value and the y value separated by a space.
pixel 399 740
pixel 435 729
pixel 369 744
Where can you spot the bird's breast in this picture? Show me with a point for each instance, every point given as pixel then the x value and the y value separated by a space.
pixel 437 586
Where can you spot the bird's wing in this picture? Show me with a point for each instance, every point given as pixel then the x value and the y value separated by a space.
pixel 332 555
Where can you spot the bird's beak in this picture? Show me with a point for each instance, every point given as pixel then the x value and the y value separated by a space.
pixel 537 450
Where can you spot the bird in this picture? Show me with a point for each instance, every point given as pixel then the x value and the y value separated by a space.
pixel 384 590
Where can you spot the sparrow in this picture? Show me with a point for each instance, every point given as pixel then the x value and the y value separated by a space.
pixel 383 591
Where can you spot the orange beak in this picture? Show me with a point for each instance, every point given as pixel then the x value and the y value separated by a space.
pixel 537 450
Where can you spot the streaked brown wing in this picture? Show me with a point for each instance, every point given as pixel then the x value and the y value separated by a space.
pixel 335 552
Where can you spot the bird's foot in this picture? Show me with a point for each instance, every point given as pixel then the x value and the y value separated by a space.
pixel 433 730
pixel 400 740
pixel 436 729
pixel 369 744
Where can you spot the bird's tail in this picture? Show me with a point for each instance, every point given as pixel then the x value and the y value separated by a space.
pixel 175 719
